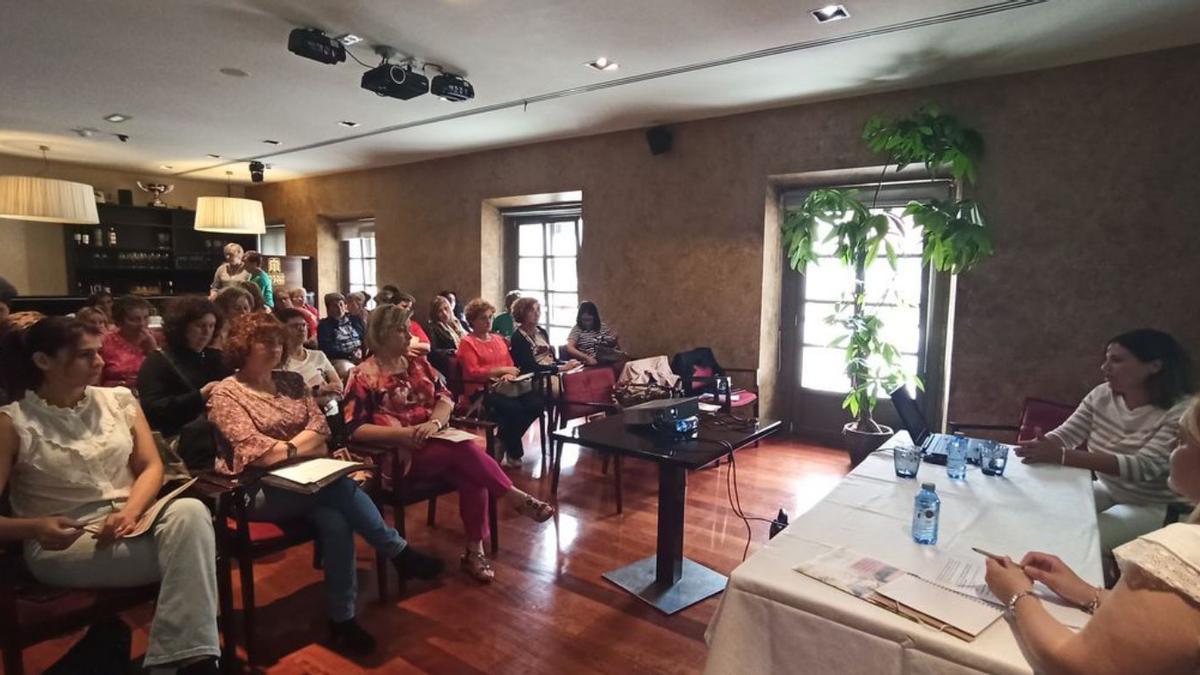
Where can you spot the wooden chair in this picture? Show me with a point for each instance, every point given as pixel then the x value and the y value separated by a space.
pixel 32 612
pixel 1036 413
pixel 455 383
pixel 699 373
pixel 585 393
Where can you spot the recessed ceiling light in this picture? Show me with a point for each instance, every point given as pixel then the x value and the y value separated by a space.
pixel 830 13
pixel 213 156
pixel 234 72
pixel 603 64
pixel 348 123
pixel 117 118
pixel 168 167
pixel 271 142
pixel 349 39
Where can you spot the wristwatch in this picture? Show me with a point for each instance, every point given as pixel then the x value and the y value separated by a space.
pixel 292 450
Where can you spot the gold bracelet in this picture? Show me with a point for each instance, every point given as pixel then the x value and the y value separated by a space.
pixel 1011 608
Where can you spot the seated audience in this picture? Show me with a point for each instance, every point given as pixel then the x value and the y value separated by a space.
pixel 531 350
pixel 319 374
pixel 421 343
pixel 8 292
pixel 258 303
pixel 125 348
pixel 176 382
pixel 340 335
pixel 1124 431
pixel 95 318
pixel 103 301
pixel 1149 623
pixel 109 475
pixel 445 331
pixel 229 272
pixel 396 400
pixel 288 298
pixel 503 323
pixel 265 416
pixel 485 358
pixel 260 278
pixel 458 309
pixel 356 305
pixel 299 298
pixel 231 303
pixel 590 340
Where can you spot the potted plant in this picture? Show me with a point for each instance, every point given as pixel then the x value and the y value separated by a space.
pixel 954 239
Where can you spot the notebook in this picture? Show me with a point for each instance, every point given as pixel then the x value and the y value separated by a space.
pixel 148 517
pixel 955 610
pixel 311 475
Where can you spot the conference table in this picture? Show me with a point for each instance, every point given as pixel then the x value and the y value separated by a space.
pixel 773 619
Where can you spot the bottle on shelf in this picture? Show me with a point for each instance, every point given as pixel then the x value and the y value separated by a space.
pixel 112 236
pixel 927 508
pixel 85 239
pixel 97 236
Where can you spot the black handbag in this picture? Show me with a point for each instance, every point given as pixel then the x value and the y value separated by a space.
pixel 196 443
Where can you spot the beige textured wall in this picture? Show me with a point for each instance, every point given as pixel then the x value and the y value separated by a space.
pixel 1089 180
pixel 31 256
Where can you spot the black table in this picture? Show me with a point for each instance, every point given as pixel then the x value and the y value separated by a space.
pixel 666 580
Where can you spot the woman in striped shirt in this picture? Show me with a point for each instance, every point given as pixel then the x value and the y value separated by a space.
pixel 590 335
pixel 1124 431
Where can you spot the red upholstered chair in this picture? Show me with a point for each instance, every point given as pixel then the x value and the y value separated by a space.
pixel 584 393
pixel 1036 413
pixel 699 372
pixel 455 381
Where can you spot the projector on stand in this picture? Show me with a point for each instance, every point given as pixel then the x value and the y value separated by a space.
pixel 677 415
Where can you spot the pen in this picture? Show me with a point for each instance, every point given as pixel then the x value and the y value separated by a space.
pixel 993 556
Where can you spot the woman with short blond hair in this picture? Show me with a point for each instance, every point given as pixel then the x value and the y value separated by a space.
pixel 231 271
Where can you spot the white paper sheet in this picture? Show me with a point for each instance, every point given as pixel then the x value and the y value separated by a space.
pixel 967 614
pixel 148 517
pixel 312 471
pixel 455 435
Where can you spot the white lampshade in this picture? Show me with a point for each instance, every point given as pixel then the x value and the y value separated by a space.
pixel 47 200
pixel 230 215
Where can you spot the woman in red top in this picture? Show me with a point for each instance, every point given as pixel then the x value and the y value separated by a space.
pixel 395 399
pixel 125 348
pixel 484 357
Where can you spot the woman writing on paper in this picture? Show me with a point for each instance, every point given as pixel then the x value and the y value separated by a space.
pixel 1150 623
pixel 1124 431
pixel 396 400
pixel 72 454
pixel 265 416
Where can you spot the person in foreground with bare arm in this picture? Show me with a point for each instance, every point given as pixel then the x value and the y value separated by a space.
pixel 73 454
pixel 265 416
pixel 1124 431
pixel 1149 624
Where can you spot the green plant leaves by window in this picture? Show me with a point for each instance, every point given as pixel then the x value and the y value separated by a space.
pixel 929 138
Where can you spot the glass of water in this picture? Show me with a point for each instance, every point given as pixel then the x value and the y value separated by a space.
pixel 907 459
pixel 993 457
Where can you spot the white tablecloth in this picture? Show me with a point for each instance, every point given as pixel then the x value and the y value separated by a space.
pixel 773 619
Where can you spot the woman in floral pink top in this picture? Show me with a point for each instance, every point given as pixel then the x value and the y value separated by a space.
pixel 397 401
pixel 265 416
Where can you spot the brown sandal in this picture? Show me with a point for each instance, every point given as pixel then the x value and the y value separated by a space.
pixel 535 509
pixel 478 567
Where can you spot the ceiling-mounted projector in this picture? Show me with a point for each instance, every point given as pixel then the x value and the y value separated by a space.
pixel 395 81
pixel 451 88
pixel 313 44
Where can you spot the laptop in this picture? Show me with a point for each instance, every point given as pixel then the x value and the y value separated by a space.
pixel 932 445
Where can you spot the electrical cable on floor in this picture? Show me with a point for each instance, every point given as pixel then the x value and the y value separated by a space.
pixel 735 499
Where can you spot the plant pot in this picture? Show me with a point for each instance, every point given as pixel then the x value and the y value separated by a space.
pixel 862 443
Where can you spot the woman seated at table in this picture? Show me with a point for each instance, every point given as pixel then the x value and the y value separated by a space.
pixel 175 383
pixel 1124 431
pixel 125 348
pixel 485 358
pixel 265 416
pixel 590 339
pixel 319 374
pixel 1149 623
pixel 73 455
pixel 231 303
pixel 396 400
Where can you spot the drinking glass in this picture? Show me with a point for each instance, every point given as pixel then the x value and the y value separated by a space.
pixel 993 458
pixel 907 459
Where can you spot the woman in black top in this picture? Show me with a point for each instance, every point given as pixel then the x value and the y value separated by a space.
pixel 174 384
pixel 530 344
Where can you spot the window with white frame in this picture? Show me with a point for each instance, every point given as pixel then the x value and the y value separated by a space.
pixel 358 256
pixel 547 251
pixel 274 241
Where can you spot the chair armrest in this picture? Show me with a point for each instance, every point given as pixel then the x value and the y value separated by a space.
pixel 599 405
pixel 468 422
pixel 366 450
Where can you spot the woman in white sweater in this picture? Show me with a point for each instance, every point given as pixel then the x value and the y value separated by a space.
pixel 1148 624
pixel 1124 431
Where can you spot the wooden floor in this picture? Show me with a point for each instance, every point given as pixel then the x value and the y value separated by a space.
pixel 549 611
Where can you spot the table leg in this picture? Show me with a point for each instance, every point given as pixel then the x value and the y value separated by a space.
pixel 555 467
pixel 672 497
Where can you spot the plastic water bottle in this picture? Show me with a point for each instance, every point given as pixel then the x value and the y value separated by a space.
pixel 926 509
pixel 956 457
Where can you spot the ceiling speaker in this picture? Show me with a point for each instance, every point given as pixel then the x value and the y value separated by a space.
pixel 659 139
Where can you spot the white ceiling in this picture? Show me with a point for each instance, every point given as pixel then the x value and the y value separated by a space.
pixel 65 64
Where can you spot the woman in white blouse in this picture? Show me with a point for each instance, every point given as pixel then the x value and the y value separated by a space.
pixel 319 374
pixel 1149 623
pixel 81 468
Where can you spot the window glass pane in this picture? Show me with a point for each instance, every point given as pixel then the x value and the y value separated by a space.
pixel 558 335
pixel 529 240
pixel 562 309
pixel 562 238
pixel 823 369
pixel 827 279
pixel 530 273
pixel 369 271
pixel 562 274
pixel 356 273
pixel 355 248
pixel 368 246
pixel 891 287
pixel 816 331
pixel 540 295
pixel 901 327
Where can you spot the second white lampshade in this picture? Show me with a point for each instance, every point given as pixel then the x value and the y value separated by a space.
pixel 230 215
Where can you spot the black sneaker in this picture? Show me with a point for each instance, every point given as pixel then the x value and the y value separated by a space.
pixel 348 637
pixel 411 563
